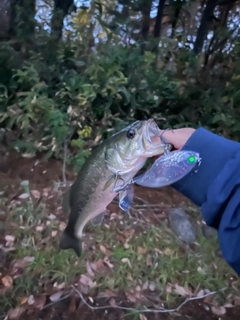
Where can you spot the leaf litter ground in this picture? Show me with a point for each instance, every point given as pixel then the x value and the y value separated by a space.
pixel 134 266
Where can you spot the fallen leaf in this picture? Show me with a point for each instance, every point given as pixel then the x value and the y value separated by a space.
pixel 138 288
pixel 89 269
pixel 181 290
pixel 36 194
pixel 16 313
pixel 18 264
pixel 126 245
pixel 141 250
pixel 142 317
pixel 24 300
pixel 112 302
pixel 9 238
pixel 168 252
pixel 108 263
pixel 200 270
pixel 56 296
pixel 209 299
pixel 47 190
pixel 169 288
pixel 31 300
pixel 24 196
pixel 129 277
pixel 218 311
pixel 126 260
pixel 28 259
pixel 115 216
pixel 9 249
pixel 152 287
pixel 145 285
pixel 7 281
pixel 200 293
pixel 62 226
pixel 131 296
pixel 236 301
pixel 206 307
pixel 40 228
pixel 83 289
pixel 51 216
pixel 149 260
pixel 91 299
pixel 104 250
pixel 121 238
pixel 59 286
pixel 86 281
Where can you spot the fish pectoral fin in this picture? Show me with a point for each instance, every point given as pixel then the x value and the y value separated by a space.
pixel 109 182
pixel 68 241
pixel 97 221
pixel 113 180
pixel 123 186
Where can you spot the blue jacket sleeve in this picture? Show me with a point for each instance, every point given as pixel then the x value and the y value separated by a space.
pixel 216 189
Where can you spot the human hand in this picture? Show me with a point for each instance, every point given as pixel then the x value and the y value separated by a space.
pixel 178 137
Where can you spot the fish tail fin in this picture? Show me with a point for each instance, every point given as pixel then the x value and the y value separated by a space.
pixel 68 241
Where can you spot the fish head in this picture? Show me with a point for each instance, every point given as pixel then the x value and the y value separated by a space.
pixel 130 147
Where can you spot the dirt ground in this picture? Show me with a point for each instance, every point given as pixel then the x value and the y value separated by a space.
pixel 41 173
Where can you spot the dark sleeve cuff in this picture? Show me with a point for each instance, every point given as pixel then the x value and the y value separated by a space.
pixel 215 151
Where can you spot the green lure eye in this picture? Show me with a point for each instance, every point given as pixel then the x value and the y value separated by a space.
pixel 191 159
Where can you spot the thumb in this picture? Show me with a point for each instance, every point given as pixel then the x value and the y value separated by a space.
pixel 178 137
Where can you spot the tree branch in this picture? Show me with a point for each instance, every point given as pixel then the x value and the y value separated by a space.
pixel 204 25
pixel 158 22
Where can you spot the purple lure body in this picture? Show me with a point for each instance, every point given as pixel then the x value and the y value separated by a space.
pixel 168 169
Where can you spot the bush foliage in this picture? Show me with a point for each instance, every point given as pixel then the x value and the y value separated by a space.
pixel 70 92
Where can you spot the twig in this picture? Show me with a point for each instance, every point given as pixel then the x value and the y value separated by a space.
pixel 65 149
pixel 140 199
pixel 147 205
pixel 162 310
pixel 138 206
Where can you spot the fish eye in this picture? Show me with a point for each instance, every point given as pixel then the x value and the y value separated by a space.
pixel 131 133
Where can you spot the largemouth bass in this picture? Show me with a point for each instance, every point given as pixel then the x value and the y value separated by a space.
pixel 112 164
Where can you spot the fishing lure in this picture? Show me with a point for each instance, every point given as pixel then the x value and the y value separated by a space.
pixel 126 197
pixel 168 169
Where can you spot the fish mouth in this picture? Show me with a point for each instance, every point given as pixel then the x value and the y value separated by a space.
pixel 152 132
